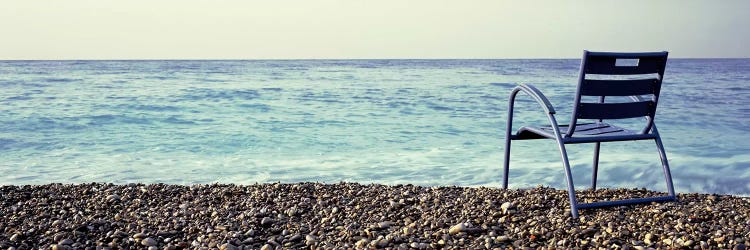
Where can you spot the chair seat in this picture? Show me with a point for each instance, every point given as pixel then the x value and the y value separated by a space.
pixel 596 129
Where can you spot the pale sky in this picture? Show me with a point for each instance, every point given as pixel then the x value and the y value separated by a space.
pixel 363 29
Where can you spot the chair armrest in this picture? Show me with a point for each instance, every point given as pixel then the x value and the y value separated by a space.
pixel 537 95
pixel 636 98
pixel 539 98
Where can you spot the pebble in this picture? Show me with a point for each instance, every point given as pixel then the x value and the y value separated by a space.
pixel 266 221
pixel 688 243
pixel 647 238
pixel 58 236
pixel 506 206
pixel 148 242
pixel 289 216
pixel 667 241
pixel 227 246
pixel 295 238
pixel 385 224
pixel 361 244
pixel 460 227
pixel 310 240
pixel 113 197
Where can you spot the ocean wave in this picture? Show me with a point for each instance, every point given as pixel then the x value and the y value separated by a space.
pixel 219 94
pixel 110 119
pixel 145 107
pixel 257 107
pixel 61 80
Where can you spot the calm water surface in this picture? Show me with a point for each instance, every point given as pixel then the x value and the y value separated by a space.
pixel 427 122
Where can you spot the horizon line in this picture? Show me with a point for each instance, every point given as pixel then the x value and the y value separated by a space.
pixel 334 59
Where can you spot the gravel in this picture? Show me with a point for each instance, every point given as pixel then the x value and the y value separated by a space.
pixel 357 216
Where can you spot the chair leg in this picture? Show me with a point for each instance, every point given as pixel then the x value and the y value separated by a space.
pixel 508 128
pixel 596 165
pixel 506 164
pixel 665 167
pixel 568 179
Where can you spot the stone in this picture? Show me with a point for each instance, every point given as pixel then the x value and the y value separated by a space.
pixel 295 238
pixel 361 244
pixel 59 236
pixel 506 206
pixel 227 246
pixel 460 227
pixel 382 243
pixel 113 198
pixel 502 238
pixel 149 242
pixel 688 243
pixel 647 239
pixel 667 241
pixel 310 239
pixel 266 221
pixel 385 224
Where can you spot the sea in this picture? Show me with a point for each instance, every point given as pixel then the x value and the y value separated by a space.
pixel 421 122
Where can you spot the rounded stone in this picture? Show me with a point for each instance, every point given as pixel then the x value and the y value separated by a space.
pixel 266 221
pixel 310 239
pixel 113 197
pixel 460 227
pixel 149 242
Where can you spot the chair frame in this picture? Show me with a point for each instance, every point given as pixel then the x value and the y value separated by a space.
pixel 649 132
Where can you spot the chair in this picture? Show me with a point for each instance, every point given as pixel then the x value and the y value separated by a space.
pixel 632 75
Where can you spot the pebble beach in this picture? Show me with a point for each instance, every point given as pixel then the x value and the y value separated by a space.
pixel 357 216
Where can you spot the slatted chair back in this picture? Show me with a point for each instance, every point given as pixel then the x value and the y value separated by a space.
pixel 627 74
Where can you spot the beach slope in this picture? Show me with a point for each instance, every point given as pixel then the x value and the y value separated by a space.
pixel 360 216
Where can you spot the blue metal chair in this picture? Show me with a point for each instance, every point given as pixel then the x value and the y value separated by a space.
pixel 634 75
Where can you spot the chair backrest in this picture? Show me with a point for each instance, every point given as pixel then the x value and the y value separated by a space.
pixel 638 73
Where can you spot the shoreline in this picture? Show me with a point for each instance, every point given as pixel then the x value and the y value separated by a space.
pixel 357 216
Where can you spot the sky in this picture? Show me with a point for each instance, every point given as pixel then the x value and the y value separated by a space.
pixel 369 29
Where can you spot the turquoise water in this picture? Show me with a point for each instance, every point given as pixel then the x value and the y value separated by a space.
pixel 426 122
